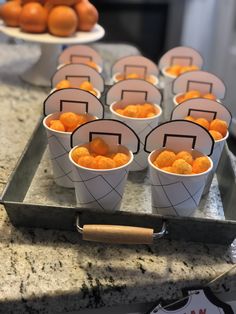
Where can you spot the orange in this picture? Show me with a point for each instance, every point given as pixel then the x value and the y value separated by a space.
pixel 79 152
pixel 203 122
pixel 62 21
pixel 165 159
pixel 181 166
pixel 57 125
pixel 63 84
pixel 33 18
pixel 201 164
pixel 62 2
pixel 219 125
pixel 98 146
pixel 87 15
pixel 69 119
pixel 216 135
pixel 10 13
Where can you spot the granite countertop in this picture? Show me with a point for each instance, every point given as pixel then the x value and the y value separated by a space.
pixel 45 271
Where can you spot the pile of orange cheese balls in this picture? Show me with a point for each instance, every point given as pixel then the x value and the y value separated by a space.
pixel 121 77
pixel 177 69
pixel 181 162
pixel 96 155
pixel 84 85
pixel 138 111
pixel 217 127
pixel 68 121
pixel 194 94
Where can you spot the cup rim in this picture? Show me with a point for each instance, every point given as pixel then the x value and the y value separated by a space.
pixel 101 170
pixel 137 119
pixel 177 174
pixel 165 73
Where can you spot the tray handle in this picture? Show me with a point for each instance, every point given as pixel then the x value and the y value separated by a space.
pixel 119 234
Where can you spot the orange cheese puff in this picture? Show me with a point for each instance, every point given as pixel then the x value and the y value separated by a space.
pixel 57 125
pixel 98 146
pixel 209 96
pixel 120 159
pixel 174 69
pixel 69 119
pixel 219 125
pixel 180 98
pixel 131 111
pixel 132 76
pixel 149 108
pixel 192 94
pixel 151 79
pixel 201 164
pixel 119 111
pixel 180 166
pixel 86 86
pixel 189 118
pixel 165 159
pixel 79 152
pixel 185 156
pixel 168 169
pixel 105 163
pixel 87 161
pixel 92 64
pixel 83 118
pixel 63 84
pixel 216 135
pixel 92 91
pixel 203 122
pixel 119 77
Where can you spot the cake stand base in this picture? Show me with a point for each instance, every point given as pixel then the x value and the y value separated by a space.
pixel 41 72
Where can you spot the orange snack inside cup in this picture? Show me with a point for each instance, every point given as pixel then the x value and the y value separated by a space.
pixel 181 163
pixel 92 64
pixel 177 69
pixel 97 155
pixel 145 110
pixel 69 121
pixel 149 78
pixel 219 125
pixel 194 94
pixel 86 85
pixel 63 84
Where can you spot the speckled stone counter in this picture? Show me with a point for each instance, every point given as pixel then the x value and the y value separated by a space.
pixel 44 271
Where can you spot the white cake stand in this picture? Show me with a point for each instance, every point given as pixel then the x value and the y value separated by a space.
pixel 41 72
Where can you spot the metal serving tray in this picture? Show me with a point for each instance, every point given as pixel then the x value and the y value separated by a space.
pixel 32 199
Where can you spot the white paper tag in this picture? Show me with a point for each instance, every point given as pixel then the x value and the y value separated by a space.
pixel 197 302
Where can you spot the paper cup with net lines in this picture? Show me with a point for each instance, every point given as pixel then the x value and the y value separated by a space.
pixel 210 110
pixel 74 75
pixel 61 101
pixel 102 189
pixel 81 54
pixel 197 84
pixel 135 67
pixel 136 92
pixel 172 64
pixel 173 193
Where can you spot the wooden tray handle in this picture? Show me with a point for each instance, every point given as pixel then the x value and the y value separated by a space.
pixel 117 234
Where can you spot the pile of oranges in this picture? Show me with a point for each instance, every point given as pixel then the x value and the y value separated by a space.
pixel 95 155
pixel 138 111
pixel 59 17
pixel 194 94
pixel 84 85
pixel 217 127
pixel 181 162
pixel 68 121
pixel 177 69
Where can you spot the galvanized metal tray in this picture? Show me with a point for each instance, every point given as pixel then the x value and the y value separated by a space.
pixel 32 199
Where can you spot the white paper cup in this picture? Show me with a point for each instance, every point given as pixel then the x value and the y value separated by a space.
pixel 215 156
pixel 176 194
pixel 98 188
pixel 59 148
pixel 153 78
pixel 167 94
pixel 141 126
